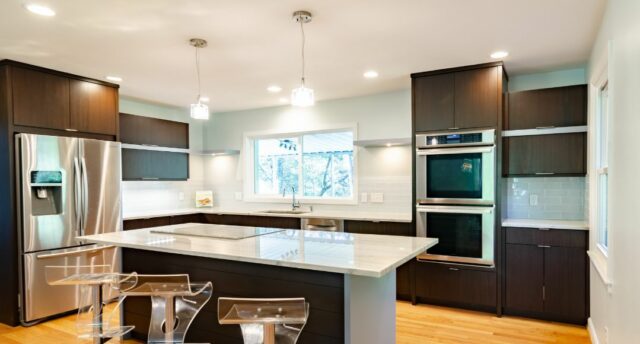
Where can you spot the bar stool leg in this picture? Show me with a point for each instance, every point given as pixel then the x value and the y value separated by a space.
pixel 96 303
pixel 169 318
pixel 269 333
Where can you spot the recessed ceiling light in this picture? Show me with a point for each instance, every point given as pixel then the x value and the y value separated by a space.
pixel 204 99
pixel 284 100
pixel 274 88
pixel 370 74
pixel 388 145
pixel 40 10
pixel 113 78
pixel 499 54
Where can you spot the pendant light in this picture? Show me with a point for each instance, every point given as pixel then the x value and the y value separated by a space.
pixel 302 96
pixel 199 110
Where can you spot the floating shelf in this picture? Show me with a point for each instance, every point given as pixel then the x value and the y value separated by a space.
pixel 155 148
pixel 405 141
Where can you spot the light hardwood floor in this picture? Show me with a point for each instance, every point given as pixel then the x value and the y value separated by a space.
pixel 415 325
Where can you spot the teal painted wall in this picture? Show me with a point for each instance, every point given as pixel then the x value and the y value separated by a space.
pixel 556 78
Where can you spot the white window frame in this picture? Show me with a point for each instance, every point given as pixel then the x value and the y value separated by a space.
pixel 249 162
pixel 602 126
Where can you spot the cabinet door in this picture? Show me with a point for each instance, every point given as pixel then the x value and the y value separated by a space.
pixel 524 278
pixel 433 102
pixel 476 98
pixel 142 130
pixel 403 281
pixel 154 165
pixel 146 223
pixel 454 285
pixel 565 283
pixel 40 99
pixel 559 154
pixel 93 107
pixel 550 107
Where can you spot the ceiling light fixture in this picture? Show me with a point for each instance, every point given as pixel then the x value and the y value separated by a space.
pixel 499 54
pixel 274 88
pixel 40 10
pixel 199 110
pixel 113 78
pixel 370 74
pixel 302 96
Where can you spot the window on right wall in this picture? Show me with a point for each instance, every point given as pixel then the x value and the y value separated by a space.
pixel 602 168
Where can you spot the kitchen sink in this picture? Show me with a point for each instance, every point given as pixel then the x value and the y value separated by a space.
pixel 285 211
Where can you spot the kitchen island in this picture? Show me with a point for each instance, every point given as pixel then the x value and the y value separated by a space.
pixel 348 279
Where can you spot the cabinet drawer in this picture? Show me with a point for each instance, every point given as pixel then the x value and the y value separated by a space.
pixel 455 285
pixel 146 223
pixel 550 237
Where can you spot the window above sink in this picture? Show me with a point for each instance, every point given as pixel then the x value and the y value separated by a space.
pixel 319 165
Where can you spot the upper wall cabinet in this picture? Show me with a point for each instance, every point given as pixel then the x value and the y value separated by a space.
pixel 149 131
pixel 546 132
pixel 546 108
pixel 48 99
pixel 458 98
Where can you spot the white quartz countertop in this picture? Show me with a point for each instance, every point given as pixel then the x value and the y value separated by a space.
pixel 354 254
pixel 328 214
pixel 552 224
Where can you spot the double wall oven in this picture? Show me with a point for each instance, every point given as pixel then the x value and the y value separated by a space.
pixel 455 195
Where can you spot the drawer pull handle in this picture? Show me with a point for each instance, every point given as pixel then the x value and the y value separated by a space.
pixel 150 178
pixel 454 269
pixel 544 246
pixel 547 127
pixel 543 229
pixel 544 173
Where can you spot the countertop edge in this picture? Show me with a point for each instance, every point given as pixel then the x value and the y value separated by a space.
pixel 310 215
pixel 551 224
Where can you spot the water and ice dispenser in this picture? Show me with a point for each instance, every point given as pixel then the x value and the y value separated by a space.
pixel 46 193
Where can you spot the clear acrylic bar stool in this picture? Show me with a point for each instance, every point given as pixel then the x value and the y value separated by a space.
pixel 265 321
pixel 175 302
pixel 92 322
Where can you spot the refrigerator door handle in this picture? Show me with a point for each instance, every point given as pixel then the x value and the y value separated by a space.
pixel 77 195
pixel 85 196
pixel 73 253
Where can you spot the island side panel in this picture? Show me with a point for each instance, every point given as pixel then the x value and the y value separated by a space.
pixel 324 291
pixel 370 309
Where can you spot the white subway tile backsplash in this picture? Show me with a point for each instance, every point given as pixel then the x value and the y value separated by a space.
pixel 559 198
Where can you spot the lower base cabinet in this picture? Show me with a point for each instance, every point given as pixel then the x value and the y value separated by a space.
pixel 546 274
pixel 455 285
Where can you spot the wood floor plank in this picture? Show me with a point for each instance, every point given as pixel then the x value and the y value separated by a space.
pixel 415 325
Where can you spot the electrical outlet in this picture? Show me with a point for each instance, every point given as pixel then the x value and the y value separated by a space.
pixel 533 200
pixel 238 196
pixel 364 197
pixel 377 197
pixel 181 196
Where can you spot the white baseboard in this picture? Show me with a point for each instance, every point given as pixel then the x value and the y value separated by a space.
pixel 592 332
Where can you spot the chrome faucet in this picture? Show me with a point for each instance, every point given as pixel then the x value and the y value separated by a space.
pixel 294 204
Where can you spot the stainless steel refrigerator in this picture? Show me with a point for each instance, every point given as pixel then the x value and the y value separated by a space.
pixel 67 187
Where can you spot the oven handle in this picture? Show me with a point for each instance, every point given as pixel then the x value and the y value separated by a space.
pixel 454 210
pixel 463 150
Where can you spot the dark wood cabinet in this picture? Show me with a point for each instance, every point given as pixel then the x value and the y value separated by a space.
pixel 544 155
pixel 546 274
pixel 49 99
pixel 138 164
pixel 40 99
pixel 433 101
pixel 385 228
pixel 477 98
pixel 549 107
pixel 142 130
pixel 456 285
pixel 255 221
pixel 93 108
pixel 458 98
pixel 524 270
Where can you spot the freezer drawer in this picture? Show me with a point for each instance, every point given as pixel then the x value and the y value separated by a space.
pixel 41 300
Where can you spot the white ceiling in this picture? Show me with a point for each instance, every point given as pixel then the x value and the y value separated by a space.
pixel 254 43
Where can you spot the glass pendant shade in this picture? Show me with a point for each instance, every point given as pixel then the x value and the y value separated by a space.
pixel 302 97
pixel 199 111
